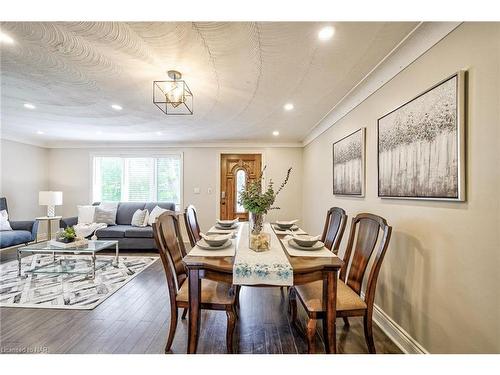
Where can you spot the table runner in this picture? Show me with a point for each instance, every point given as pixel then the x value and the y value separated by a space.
pixel 268 267
pixel 323 253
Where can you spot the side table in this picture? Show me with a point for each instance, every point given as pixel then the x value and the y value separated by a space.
pixel 49 220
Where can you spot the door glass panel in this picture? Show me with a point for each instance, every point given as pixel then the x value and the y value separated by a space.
pixel 241 179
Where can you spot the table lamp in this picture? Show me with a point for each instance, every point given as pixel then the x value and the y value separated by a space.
pixel 50 199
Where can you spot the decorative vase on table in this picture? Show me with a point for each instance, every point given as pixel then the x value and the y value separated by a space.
pixel 258 202
pixel 258 239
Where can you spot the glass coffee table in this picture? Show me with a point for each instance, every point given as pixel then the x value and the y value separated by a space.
pixel 69 266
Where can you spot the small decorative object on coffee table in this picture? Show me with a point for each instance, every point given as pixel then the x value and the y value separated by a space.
pixel 67 235
pixel 258 203
pixel 67 238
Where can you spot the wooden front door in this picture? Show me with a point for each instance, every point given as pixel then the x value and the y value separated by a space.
pixel 237 170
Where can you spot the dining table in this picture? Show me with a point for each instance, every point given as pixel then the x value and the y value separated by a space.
pixel 304 268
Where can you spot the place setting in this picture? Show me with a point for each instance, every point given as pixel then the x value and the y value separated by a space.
pixel 225 227
pixel 214 245
pixel 218 241
pixel 300 245
pixel 287 227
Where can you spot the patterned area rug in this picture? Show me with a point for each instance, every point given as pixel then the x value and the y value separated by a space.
pixel 66 291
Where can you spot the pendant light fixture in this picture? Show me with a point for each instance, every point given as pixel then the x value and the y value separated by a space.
pixel 173 97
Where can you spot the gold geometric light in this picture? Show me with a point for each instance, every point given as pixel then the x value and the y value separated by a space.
pixel 173 97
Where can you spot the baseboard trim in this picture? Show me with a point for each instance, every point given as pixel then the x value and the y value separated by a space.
pixel 396 333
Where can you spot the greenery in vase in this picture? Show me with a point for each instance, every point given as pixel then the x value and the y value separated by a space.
pixel 67 235
pixel 258 201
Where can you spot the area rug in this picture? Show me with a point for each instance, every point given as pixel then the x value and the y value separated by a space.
pixel 67 291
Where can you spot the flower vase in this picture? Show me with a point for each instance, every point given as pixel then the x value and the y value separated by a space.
pixel 258 240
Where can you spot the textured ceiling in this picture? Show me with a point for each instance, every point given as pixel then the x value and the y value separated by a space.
pixel 241 75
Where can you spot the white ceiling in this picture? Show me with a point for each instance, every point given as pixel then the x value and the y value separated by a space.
pixel 241 75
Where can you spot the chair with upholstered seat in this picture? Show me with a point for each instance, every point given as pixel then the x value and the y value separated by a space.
pixel 214 295
pixel 363 239
pixel 192 226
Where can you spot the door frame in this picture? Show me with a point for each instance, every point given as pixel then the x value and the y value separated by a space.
pixel 260 152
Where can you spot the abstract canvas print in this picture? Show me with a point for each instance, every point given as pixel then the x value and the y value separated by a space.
pixel 420 145
pixel 348 164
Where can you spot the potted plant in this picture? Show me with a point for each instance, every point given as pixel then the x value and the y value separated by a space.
pixel 67 235
pixel 258 202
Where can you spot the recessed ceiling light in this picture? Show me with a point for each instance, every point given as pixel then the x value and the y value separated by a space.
pixel 116 107
pixel 39 132
pixel 29 106
pixel 276 133
pixel 159 133
pixel 288 106
pixel 4 38
pixel 326 33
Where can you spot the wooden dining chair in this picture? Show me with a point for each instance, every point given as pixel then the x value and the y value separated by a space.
pixel 365 230
pixel 214 295
pixel 192 226
pixel 333 231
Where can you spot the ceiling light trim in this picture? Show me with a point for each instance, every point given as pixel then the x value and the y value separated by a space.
pixel 418 41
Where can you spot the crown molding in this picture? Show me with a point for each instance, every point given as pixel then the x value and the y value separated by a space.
pixel 163 145
pixel 422 38
pixel 23 139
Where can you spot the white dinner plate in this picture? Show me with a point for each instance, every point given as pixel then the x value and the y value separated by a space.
pixel 317 246
pixel 202 244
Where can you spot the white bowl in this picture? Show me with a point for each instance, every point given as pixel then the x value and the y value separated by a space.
pixel 216 239
pixel 227 223
pixel 285 224
pixel 305 240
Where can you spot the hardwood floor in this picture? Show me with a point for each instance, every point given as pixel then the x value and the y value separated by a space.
pixel 135 320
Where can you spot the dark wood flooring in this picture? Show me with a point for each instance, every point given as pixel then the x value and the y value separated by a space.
pixel 135 320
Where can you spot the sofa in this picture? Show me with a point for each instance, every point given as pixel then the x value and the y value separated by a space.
pixel 128 237
pixel 22 232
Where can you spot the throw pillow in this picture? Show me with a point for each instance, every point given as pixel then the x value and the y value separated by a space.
pixel 140 218
pixel 103 215
pixel 4 220
pixel 86 214
pixel 109 205
pixel 155 212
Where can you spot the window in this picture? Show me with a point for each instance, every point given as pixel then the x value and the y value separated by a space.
pixel 240 186
pixel 137 179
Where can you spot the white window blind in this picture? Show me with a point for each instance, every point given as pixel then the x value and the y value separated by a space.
pixel 137 179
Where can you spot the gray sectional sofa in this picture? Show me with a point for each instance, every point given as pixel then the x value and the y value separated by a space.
pixel 128 237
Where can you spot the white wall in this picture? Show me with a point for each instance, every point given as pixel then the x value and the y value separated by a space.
pixel 70 172
pixel 24 171
pixel 440 278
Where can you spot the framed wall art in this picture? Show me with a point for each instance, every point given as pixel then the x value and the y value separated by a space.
pixel 349 165
pixel 421 145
